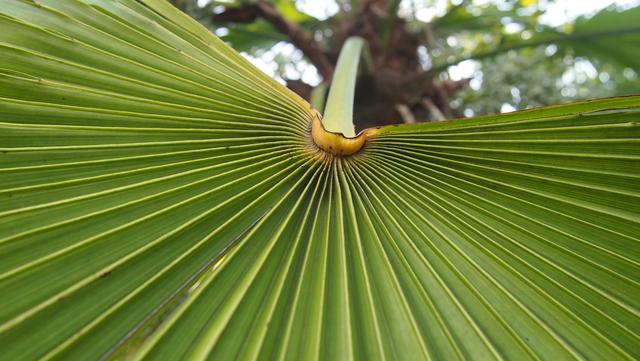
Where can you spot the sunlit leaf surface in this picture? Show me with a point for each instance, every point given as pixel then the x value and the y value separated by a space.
pixel 160 199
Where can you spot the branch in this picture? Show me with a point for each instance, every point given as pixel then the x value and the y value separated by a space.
pixel 405 113
pixel 433 109
pixel 241 15
pixel 297 36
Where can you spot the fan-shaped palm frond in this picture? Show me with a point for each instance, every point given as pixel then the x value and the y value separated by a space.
pixel 160 198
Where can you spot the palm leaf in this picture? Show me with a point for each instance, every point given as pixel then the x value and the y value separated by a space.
pixel 162 199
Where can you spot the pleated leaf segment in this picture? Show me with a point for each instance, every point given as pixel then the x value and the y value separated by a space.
pixel 161 198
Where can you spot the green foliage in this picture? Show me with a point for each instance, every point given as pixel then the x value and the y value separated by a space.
pixel 621 48
pixel 520 80
pixel 517 68
pixel 536 77
pixel 593 37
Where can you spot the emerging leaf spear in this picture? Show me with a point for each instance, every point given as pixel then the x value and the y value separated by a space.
pixel 335 132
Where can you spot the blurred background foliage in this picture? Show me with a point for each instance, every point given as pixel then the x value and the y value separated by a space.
pixel 439 59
